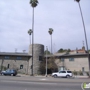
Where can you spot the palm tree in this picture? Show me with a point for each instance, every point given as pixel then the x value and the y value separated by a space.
pixel 30 32
pixel 46 60
pixel 84 33
pixel 33 3
pixel 50 32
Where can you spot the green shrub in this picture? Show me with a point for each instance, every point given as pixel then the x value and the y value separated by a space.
pixel 80 72
pixel 3 68
pixel 87 73
pixel 75 72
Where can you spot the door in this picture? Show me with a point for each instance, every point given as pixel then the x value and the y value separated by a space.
pixel 8 72
pixel 62 73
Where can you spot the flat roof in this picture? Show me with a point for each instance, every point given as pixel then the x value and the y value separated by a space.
pixel 28 55
pixel 67 55
pixel 15 54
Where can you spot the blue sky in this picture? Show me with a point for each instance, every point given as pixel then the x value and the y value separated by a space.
pixel 61 15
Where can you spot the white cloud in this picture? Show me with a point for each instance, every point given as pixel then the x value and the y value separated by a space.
pixel 61 15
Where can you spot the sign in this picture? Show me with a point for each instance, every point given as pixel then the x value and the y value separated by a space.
pixel 85 86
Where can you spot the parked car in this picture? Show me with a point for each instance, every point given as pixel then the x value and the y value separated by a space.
pixel 11 72
pixel 63 73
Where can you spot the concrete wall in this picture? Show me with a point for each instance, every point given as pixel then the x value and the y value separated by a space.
pixel 38 51
pixel 77 65
pixel 15 64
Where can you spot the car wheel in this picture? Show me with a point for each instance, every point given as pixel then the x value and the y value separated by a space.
pixel 12 74
pixel 68 76
pixel 55 76
pixel 2 74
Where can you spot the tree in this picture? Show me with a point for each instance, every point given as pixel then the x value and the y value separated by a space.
pixel 77 0
pixel 88 50
pixel 30 32
pixel 50 32
pixel 33 3
pixel 63 50
pixel 60 50
pixel 84 34
pixel 68 50
pixel 51 66
pixel 48 52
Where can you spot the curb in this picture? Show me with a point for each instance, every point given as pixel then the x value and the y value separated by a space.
pixel 81 77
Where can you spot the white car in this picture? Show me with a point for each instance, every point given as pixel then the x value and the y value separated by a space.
pixel 63 73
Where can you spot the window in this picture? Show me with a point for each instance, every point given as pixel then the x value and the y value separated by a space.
pixel 62 72
pixel 62 59
pixel 40 58
pixel 61 68
pixel 8 70
pixel 8 65
pixel 6 57
pixel 83 69
pixel 21 66
pixel 71 59
pixel 19 58
pixel 69 72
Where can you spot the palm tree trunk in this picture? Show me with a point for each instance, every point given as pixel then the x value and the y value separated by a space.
pixel 85 37
pixel 32 37
pixel 51 44
pixel 2 64
pixel 46 60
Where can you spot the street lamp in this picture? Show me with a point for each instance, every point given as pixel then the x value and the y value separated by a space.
pixel 84 33
pixel 46 60
pixel 30 32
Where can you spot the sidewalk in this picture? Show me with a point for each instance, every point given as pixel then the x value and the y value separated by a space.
pixel 24 75
pixel 76 77
pixel 82 77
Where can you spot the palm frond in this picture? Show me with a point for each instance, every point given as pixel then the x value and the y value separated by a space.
pixel 50 31
pixel 77 0
pixel 34 3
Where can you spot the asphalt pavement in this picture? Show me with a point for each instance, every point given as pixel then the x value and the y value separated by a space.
pixel 40 83
pixel 7 85
pixel 43 79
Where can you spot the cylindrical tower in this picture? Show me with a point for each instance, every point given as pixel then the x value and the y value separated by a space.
pixel 38 53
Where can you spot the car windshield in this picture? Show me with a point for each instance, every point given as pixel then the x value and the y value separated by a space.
pixel 69 72
pixel 62 72
pixel 8 70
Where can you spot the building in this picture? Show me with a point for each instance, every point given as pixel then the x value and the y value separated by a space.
pixel 19 61
pixel 23 61
pixel 75 60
